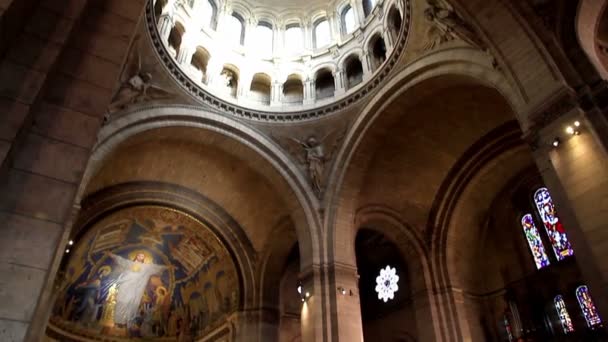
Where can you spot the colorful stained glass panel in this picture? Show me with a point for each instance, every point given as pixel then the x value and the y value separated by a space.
pixel 553 226
pixel 536 244
pixel 562 313
pixel 587 306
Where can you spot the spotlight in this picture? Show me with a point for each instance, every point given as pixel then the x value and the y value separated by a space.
pixel 67 251
pixel 71 242
pixel 300 289
pixel 570 130
pixel 307 294
pixel 556 142
pixel 342 290
pixel 577 123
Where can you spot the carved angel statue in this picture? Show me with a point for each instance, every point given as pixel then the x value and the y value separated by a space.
pixel 316 154
pixel 136 85
pixel 446 25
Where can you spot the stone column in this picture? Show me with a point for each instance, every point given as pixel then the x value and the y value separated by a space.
pixel 276 93
pixel 365 63
pixel 307 31
pixel 334 27
pixel 249 44
pixel 165 22
pixel 339 81
pixel 346 323
pixel 244 84
pixel 358 7
pixel 576 173
pixel 309 92
pixel 214 68
pixel 312 308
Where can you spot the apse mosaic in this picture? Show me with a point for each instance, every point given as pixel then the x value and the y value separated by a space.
pixel 147 273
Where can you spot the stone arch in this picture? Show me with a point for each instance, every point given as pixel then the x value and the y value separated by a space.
pixel 261 88
pixel 175 37
pixel 325 83
pixel 415 253
pixel 591 25
pixel 231 79
pixel 348 171
pixel 353 67
pixel 200 61
pixel 481 172
pixel 293 89
pixel 377 49
pixel 393 21
pixel 146 120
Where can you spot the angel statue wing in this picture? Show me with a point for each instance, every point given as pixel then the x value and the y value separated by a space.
pixel 132 66
pixel 331 141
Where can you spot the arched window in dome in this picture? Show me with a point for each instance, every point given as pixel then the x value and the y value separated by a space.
pixel 562 313
pixel 553 226
pixel 587 306
pixel 262 40
pixel 394 21
pixel 325 85
pixel 260 88
pixel 294 41
pixel 208 14
pixel 234 30
pixel 175 38
pixel 322 34
pixel 199 61
pixel 347 18
pixel 354 71
pixel 228 82
pixel 534 241
pixel 159 5
pixel 378 49
pixel 293 90
pixel 368 6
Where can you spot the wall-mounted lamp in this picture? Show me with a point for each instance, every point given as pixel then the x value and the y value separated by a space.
pixel 342 290
pixel 556 142
pixel 304 295
pixel 70 243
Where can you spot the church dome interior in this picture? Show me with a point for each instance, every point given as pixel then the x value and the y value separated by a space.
pixel 303 170
pixel 288 56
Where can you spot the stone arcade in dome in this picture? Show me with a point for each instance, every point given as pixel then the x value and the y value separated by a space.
pixel 276 41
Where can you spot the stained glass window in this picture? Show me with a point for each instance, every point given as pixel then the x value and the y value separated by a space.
pixel 562 313
pixel 534 241
pixel 586 303
pixel 553 226
pixel 508 329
